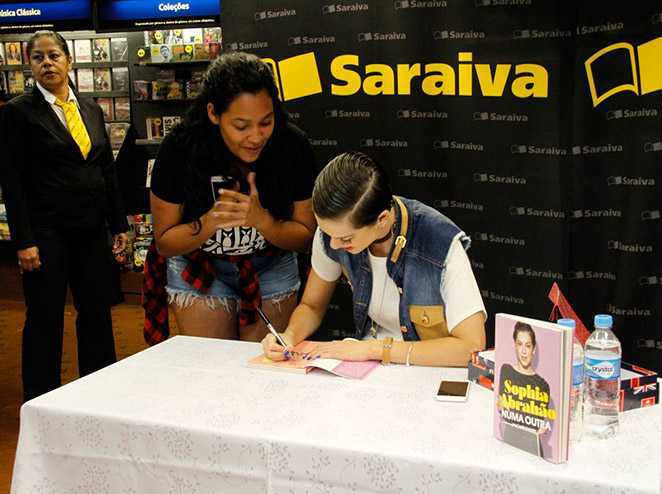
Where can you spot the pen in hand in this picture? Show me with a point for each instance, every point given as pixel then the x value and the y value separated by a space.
pixel 273 330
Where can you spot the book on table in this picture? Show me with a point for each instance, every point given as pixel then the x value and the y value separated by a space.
pixel 301 365
pixel 533 379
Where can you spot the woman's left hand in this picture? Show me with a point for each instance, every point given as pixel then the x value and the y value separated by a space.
pixel 344 350
pixel 119 243
pixel 246 211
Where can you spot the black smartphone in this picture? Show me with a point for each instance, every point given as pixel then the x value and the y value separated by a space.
pixel 221 182
pixel 453 390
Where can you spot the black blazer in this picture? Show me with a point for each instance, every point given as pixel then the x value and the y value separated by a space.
pixel 45 180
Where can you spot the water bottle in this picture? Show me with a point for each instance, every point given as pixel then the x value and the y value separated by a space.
pixel 577 392
pixel 602 372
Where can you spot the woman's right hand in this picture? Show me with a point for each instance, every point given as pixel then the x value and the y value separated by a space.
pixel 28 259
pixel 273 350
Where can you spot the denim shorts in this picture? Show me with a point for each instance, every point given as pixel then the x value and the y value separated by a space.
pixel 278 276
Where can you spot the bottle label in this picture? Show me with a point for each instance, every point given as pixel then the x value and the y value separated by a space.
pixel 577 374
pixel 602 369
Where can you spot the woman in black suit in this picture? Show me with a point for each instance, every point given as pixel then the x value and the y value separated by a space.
pixel 60 188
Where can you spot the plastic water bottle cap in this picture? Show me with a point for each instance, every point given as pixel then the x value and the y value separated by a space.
pixel 603 320
pixel 570 323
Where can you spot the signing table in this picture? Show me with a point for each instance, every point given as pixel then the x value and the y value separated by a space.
pixel 187 416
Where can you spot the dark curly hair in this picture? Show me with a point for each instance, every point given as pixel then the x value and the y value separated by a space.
pixel 352 184
pixel 229 76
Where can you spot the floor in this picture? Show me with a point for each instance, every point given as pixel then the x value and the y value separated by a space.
pixel 127 323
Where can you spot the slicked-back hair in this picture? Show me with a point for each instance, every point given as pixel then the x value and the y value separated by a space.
pixel 352 185
pixel 57 37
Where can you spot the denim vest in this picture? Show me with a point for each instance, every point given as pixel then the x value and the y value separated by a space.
pixel 417 265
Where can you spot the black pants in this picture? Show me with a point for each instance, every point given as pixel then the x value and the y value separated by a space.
pixel 78 257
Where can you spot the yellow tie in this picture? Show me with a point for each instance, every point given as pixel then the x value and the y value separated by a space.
pixel 76 126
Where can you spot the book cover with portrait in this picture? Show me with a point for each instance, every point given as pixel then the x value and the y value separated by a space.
pixel 532 381
pixel 101 49
pixel 13 53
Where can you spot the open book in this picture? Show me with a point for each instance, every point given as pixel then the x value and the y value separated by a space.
pixel 301 365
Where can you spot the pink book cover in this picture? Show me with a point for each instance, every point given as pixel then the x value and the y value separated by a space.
pixel 532 380
pixel 301 365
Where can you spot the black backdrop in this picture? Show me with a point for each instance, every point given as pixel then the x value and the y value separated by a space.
pixel 502 135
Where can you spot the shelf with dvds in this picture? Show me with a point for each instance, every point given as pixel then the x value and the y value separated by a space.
pixel 166 67
pixel 99 66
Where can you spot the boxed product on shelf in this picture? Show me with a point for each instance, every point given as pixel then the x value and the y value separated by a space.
pixel 107 107
pixel 85 79
pixel 125 258
pixel 142 90
pixel 82 50
pixel 116 133
pixel 13 53
pixel 102 81
pixel 154 127
pixel 15 81
pixel 159 90
pixel 101 49
pixel 182 52
pixel 4 231
pixel 140 248
pixel 166 75
pixel 161 53
pixel 3 83
pixel 211 35
pixel 28 80
pixel 639 386
pixel 122 109
pixel 157 37
pixel 192 35
pixel 176 90
pixel 118 49
pixel 201 51
pixel 142 225
pixel 193 84
pixel 169 122
pixel 144 54
pixel 120 76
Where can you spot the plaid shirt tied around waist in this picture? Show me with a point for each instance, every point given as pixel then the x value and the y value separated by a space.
pixel 200 274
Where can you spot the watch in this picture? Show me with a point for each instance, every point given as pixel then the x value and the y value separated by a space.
pixel 386 350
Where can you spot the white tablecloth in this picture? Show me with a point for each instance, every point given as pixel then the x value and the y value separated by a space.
pixel 187 416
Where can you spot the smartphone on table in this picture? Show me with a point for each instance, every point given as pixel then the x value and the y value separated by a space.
pixel 453 390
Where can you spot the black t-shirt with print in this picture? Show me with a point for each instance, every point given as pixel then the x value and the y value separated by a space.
pixel 168 183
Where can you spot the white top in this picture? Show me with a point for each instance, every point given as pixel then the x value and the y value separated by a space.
pixel 459 289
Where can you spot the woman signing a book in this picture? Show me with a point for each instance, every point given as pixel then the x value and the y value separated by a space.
pixel 231 203
pixel 415 298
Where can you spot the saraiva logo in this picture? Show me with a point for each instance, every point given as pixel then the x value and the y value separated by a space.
pixel 299 76
pixel 621 57
pixel 650 215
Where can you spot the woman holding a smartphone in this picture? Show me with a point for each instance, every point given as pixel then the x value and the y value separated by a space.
pixel 231 204
pixel 415 298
